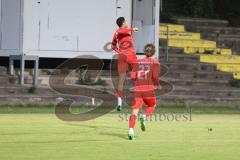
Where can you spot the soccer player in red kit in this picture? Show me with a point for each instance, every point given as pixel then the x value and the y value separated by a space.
pixel 146 77
pixel 123 45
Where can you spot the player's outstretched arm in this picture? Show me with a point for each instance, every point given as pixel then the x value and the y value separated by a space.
pixel 135 29
pixel 127 31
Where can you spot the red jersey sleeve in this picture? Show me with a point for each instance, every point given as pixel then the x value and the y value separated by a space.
pixel 114 43
pixel 122 32
pixel 125 31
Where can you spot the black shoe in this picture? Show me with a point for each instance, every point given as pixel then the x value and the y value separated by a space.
pixel 119 108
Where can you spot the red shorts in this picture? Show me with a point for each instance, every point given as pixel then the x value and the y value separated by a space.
pixel 141 98
pixel 126 62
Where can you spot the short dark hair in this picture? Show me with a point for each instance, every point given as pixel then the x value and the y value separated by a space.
pixel 120 21
pixel 149 50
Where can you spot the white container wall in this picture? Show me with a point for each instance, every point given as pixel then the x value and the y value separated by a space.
pixel 69 28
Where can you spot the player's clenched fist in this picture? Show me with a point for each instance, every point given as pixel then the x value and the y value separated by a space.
pixel 135 29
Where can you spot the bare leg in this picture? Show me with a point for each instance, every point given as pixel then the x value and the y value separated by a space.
pixel 133 118
pixel 122 78
pixel 120 90
pixel 132 122
pixel 135 112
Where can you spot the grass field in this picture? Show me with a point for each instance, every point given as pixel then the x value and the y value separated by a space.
pixel 41 136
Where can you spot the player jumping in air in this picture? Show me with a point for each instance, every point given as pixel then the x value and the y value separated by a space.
pixel 123 45
pixel 146 77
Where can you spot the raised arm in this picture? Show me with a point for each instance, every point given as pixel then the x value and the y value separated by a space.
pixel 120 33
pixel 114 43
pixel 125 31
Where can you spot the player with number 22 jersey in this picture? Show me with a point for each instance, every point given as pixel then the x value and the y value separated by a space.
pixel 146 76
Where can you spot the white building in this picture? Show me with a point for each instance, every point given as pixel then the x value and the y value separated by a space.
pixel 70 28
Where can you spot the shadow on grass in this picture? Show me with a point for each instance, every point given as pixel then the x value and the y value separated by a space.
pixel 99 127
pixel 118 135
pixel 54 142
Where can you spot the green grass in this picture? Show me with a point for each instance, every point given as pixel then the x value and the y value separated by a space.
pixel 34 136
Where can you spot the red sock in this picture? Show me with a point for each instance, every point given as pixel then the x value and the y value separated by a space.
pixel 149 111
pixel 132 121
pixel 119 93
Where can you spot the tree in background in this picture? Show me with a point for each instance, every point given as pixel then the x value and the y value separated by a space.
pixel 213 9
pixel 229 10
pixel 199 8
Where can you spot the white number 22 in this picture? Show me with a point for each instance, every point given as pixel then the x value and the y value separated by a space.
pixel 144 70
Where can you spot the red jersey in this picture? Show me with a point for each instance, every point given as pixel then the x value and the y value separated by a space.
pixel 123 43
pixel 146 75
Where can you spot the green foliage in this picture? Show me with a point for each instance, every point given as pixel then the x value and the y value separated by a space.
pixel 235 83
pixel 81 72
pixel 32 90
pixel 64 71
pixel 190 8
pixel 215 9
pixel 46 72
pixel 199 8
pixel 229 10
pixel 166 17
